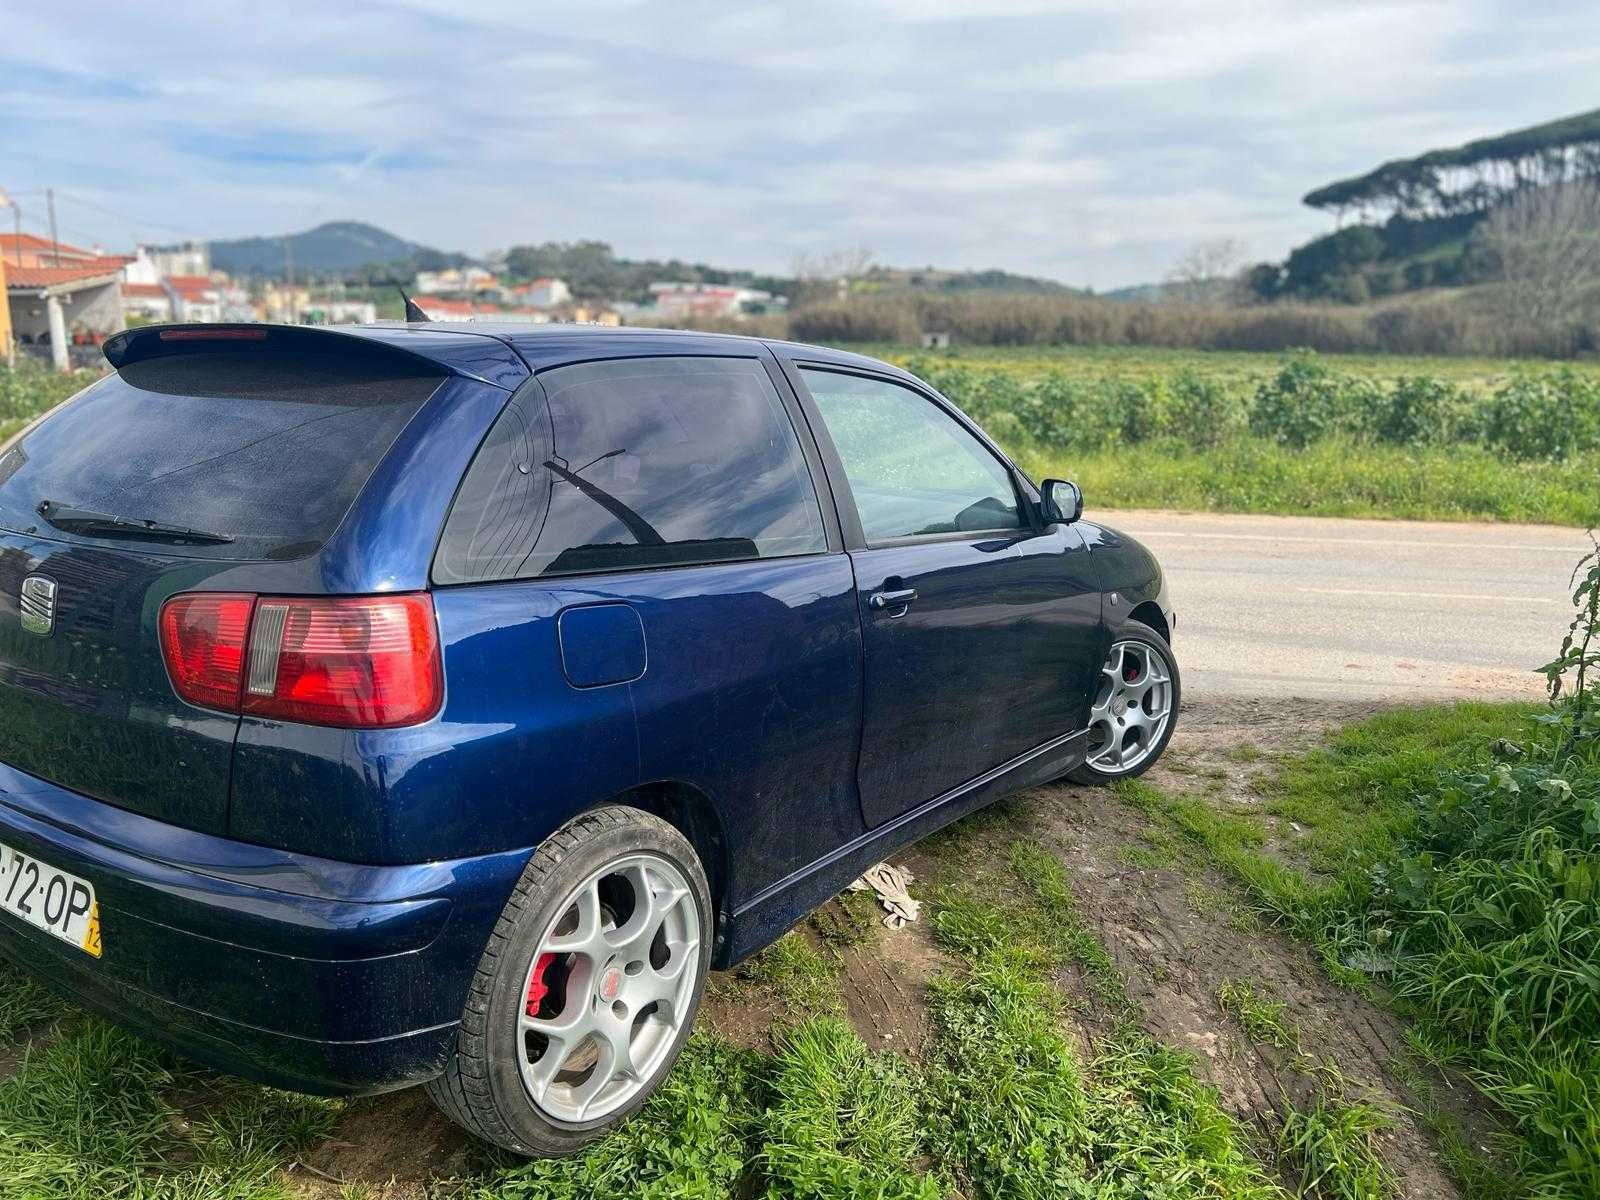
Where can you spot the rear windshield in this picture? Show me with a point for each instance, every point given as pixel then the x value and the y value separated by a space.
pixel 267 449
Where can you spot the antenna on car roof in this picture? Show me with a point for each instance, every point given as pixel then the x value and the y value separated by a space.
pixel 413 313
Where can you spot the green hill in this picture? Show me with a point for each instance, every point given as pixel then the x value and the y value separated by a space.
pixel 333 248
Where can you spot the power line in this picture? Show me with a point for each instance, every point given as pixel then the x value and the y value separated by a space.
pixel 77 198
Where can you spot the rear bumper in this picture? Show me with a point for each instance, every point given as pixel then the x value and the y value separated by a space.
pixel 299 972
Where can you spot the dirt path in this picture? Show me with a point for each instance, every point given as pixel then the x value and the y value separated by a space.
pixel 1177 932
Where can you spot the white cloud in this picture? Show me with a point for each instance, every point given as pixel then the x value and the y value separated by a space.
pixel 1089 141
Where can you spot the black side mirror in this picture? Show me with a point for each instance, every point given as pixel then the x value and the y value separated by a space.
pixel 1060 501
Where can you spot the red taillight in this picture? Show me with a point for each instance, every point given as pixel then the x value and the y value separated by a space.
pixel 363 663
pixel 203 639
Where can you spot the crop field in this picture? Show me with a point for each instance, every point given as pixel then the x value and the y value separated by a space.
pixel 1333 435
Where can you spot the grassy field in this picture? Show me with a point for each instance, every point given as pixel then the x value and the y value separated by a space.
pixel 1333 435
pixel 1447 857
pixel 1241 371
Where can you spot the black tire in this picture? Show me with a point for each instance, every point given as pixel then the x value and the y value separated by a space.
pixel 482 1087
pixel 1137 631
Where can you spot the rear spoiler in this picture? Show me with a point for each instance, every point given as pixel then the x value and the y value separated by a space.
pixel 467 354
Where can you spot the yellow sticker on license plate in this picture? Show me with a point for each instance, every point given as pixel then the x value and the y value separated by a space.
pixel 48 898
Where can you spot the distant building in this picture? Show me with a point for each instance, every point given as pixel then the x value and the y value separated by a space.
pixel 183 259
pixel 544 293
pixel 147 301
pixel 194 297
pixel 340 312
pixel 284 305
pixel 30 250
pixel 454 280
pixel 53 309
pixel 676 301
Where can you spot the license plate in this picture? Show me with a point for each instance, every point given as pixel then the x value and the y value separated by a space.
pixel 50 899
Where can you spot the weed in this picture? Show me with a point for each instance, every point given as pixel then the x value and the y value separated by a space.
pixel 1479 1175
pixel 1332 1142
pixel 93 1115
pixel 1144 857
pixel 694 1139
pixel 24 1002
pixel 841 1121
pixel 790 968
pixel 1134 1121
pixel 850 920
pixel 1264 1019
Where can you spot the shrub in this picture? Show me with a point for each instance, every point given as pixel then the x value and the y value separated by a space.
pixel 1424 411
pixel 1299 405
pixel 1549 416
pixel 1202 412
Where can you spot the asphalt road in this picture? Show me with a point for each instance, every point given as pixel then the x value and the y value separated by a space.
pixel 1361 610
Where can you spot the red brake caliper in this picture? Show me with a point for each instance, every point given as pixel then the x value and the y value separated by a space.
pixel 537 988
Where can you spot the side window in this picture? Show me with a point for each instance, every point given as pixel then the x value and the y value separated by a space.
pixel 913 469
pixel 634 463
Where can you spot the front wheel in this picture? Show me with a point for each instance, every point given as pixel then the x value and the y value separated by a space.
pixel 1135 707
pixel 588 987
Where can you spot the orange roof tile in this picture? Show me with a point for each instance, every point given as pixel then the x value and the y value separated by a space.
pixel 29 241
pixel 32 277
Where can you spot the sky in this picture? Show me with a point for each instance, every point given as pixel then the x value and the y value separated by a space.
pixel 1092 142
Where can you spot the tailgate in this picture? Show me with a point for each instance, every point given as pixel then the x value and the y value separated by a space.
pixel 89 706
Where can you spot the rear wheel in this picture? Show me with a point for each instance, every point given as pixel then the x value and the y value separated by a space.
pixel 1135 707
pixel 588 987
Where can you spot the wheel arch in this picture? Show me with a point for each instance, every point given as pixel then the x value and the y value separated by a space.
pixel 693 814
pixel 1149 613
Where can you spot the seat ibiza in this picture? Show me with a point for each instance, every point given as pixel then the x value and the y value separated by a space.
pixel 402 705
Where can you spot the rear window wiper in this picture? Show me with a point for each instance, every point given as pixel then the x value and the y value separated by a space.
pixel 99 524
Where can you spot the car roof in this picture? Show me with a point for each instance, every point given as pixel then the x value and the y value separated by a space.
pixel 542 346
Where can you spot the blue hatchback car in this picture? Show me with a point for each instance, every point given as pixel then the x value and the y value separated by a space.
pixel 411 705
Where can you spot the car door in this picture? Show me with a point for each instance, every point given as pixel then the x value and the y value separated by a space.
pixel 981 627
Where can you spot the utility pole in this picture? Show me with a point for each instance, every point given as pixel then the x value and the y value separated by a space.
pixel 55 242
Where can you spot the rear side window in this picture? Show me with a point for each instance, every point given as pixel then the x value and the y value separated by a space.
pixel 268 449
pixel 637 463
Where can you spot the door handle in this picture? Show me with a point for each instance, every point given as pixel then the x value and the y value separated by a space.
pixel 884 601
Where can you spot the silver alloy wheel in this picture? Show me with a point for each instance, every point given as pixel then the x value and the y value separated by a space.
pixel 609 988
pixel 1131 710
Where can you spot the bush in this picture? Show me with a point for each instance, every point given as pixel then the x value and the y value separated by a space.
pixel 1203 413
pixel 1552 417
pixel 1423 411
pixel 30 389
pixel 1301 404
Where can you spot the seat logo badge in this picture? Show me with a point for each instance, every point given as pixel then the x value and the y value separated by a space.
pixel 39 605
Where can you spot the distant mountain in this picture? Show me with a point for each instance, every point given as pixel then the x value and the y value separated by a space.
pixel 334 248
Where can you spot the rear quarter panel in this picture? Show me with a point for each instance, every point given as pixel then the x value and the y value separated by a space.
pixel 750 696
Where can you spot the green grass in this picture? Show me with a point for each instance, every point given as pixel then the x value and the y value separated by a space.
pixel 96 1113
pixel 1238 370
pixel 842 1121
pixel 1265 1019
pixel 1449 857
pixel 1132 1120
pixel 25 1003
pixel 1326 479
pixel 1321 435
pixel 1332 1142
pixel 696 1138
